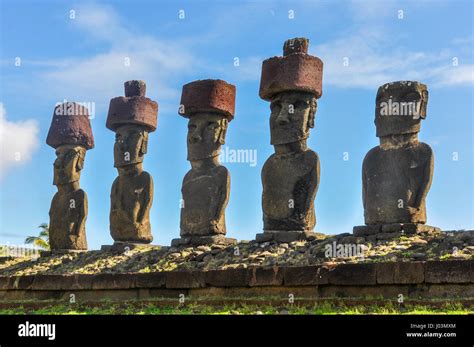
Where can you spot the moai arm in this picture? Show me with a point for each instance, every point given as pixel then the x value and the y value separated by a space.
pixel 147 198
pixel 313 184
pixel 114 200
pixel 224 194
pixel 82 214
pixel 364 184
pixel 426 178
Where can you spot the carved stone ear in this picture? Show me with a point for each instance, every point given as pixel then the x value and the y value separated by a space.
pixel 79 161
pixel 312 113
pixel 144 144
pixel 224 123
pixel 424 95
pixel 424 105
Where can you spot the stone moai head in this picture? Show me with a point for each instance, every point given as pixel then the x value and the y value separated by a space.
pixel 132 117
pixel 131 143
pixel 400 107
pixel 209 105
pixel 70 134
pixel 292 84
pixel 68 164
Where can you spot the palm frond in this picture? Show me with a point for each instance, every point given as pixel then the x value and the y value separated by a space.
pixel 41 241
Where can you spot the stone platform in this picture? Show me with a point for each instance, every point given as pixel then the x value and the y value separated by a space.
pixel 424 266
pixel 394 229
pixel 444 280
pixel 202 240
pixel 286 236
pixel 124 246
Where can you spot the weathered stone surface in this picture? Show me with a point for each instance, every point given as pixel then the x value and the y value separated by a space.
pixel 208 96
pixel 132 118
pixel 133 108
pixel 62 282
pixel 397 175
pixel 185 279
pixel 415 228
pixel 450 271
pixel 400 273
pixel 4 282
pixel 285 236
pixel 203 240
pixel 296 45
pixel 71 135
pixel 305 275
pixel 135 88
pixel 388 236
pixel 150 280
pixel 70 126
pixel 124 246
pixel 462 293
pixel 113 281
pixel 388 231
pixel 265 276
pixel 296 70
pixel 21 282
pixel 443 279
pixel 290 177
pixel 227 278
pixel 450 291
pixel 366 230
pixel 353 274
pixel 209 105
pixel 264 237
pixel 392 228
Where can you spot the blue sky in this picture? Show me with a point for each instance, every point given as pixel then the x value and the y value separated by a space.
pixel 82 59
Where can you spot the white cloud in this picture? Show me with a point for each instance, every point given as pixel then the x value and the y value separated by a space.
pixel 18 142
pixel 127 55
pixel 372 62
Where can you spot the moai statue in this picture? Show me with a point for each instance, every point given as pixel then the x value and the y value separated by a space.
pixel 70 135
pixel 132 118
pixel 397 174
pixel 290 176
pixel 209 105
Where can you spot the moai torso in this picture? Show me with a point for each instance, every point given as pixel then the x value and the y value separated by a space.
pixel 67 216
pixel 131 199
pixel 205 195
pixel 290 183
pixel 394 181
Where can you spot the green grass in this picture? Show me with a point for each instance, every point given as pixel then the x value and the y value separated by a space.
pixel 136 308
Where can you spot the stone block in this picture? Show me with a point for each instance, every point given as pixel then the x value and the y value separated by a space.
pixel 305 275
pixel 400 273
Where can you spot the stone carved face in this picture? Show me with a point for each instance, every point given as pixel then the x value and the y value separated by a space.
pixel 68 164
pixel 206 134
pixel 131 142
pixel 292 115
pixel 399 108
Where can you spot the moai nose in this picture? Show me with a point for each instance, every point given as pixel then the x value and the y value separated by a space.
pixel 282 120
pixel 195 138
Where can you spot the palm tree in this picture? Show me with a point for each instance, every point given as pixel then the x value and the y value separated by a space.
pixel 42 240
